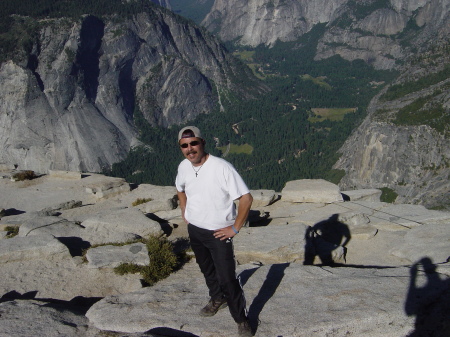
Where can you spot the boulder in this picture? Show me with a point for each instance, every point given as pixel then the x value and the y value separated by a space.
pixel 154 206
pixel 105 235
pixel 54 210
pixel 311 190
pixel 365 195
pixel 119 221
pixel 112 256
pixel 108 188
pixel 271 244
pixel 42 319
pixel 32 248
pixel 64 174
pixel 397 217
pixel 50 225
pixel 263 197
pixel 363 232
pixel 169 214
pixel 64 279
pixel 151 193
pixel 354 218
pixel 6 167
pixel 431 240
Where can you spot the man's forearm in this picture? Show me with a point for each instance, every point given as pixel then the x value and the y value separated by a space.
pixel 182 199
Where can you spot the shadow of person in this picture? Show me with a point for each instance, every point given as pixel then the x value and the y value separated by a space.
pixel 327 240
pixel 429 303
pixel 270 285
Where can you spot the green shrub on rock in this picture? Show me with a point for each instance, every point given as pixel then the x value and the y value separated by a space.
pixel 388 195
pixel 11 231
pixel 163 261
pixel 140 201
pixel 23 175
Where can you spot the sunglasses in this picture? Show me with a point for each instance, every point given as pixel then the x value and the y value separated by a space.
pixel 193 143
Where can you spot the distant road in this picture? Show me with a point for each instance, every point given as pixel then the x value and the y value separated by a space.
pixel 227 150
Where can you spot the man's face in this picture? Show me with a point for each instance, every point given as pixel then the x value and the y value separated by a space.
pixel 193 149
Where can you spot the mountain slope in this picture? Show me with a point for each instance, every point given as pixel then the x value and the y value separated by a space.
pixel 380 32
pixel 403 144
pixel 72 89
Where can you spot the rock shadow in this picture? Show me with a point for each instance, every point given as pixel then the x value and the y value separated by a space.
pixel 165 225
pixel 87 63
pixel 268 289
pixel 13 211
pixel 15 295
pixel 76 245
pixel 430 303
pixel 168 332
pixel 78 305
pixel 327 240
pixel 257 219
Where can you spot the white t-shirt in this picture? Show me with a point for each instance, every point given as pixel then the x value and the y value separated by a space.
pixel 210 195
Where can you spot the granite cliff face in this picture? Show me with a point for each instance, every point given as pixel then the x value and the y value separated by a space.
pixel 369 30
pixel 412 158
pixel 163 3
pixel 264 22
pixel 70 102
pixel 412 37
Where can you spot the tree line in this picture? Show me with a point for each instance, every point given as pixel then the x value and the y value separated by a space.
pixel 286 145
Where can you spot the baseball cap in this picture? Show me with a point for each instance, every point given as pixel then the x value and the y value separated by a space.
pixel 195 132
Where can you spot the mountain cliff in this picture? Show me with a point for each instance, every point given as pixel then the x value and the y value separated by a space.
pixel 70 93
pixel 74 89
pixel 380 32
pixel 403 143
pixel 163 3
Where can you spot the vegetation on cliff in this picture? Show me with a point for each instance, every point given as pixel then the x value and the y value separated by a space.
pixel 287 142
pixel 19 20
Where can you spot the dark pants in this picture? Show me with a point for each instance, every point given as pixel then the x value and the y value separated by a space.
pixel 216 261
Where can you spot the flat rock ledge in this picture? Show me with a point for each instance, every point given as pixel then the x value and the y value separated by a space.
pixel 311 190
pixel 283 300
pixel 313 261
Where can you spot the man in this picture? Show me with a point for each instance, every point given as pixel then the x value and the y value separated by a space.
pixel 207 187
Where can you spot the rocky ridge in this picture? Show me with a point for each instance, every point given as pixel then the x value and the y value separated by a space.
pixel 379 33
pixel 71 103
pixel 311 263
pixel 412 158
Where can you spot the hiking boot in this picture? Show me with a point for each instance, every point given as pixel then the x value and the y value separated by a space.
pixel 244 329
pixel 213 307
